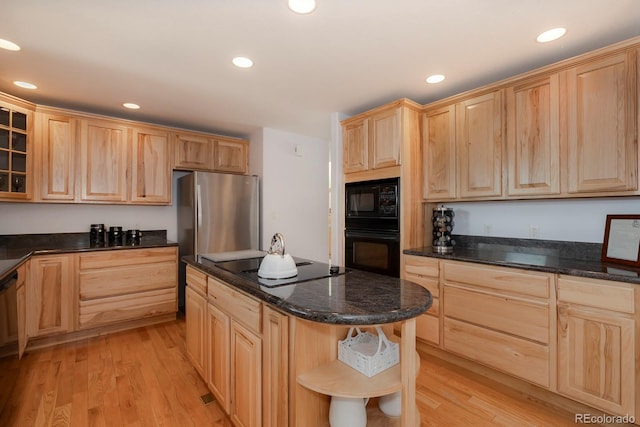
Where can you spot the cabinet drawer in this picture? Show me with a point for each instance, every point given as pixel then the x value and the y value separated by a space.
pixel 428 328
pixel 114 258
pixel 597 293
pixel 421 266
pixel 434 310
pixel 126 280
pixel 242 308
pixel 499 278
pixel 197 280
pixel 515 356
pixel 525 319
pixel 423 271
pixel 103 311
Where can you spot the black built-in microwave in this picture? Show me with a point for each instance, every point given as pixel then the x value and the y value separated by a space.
pixel 373 204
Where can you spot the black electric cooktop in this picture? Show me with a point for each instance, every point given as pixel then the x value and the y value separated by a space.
pixel 307 270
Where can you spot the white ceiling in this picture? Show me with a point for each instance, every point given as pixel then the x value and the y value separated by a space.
pixel 174 57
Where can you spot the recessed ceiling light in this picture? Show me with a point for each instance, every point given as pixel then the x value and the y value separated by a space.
pixel 436 78
pixel 6 44
pixel 25 85
pixel 302 6
pixel 131 106
pixel 242 62
pixel 551 35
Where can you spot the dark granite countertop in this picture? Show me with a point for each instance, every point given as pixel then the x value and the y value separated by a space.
pixel 17 248
pixel 572 258
pixel 354 298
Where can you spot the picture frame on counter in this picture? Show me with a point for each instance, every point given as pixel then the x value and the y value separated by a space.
pixel 622 240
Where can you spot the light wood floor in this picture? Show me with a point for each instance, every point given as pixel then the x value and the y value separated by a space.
pixel 143 378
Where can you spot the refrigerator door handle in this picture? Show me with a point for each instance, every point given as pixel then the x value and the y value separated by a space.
pixel 199 205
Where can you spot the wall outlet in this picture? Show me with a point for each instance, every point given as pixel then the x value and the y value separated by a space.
pixel 534 231
pixel 488 229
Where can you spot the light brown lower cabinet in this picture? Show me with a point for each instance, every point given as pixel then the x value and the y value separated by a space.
pixel 246 376
pixel 122 285
pixel 234 336
pixel 425 272
pixel 196 317
pixel 21 297
pixel 275 368
pixel 574 336
pixel 598 343
pixel 218 354
pixel 49 295
pixel 196 320
pixel 500 317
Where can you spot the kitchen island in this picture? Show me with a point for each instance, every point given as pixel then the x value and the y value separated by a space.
pixel 279 337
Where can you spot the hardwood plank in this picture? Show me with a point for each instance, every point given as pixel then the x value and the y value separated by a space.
pixel 142 377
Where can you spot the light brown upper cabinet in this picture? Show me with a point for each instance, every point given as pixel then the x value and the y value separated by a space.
pixel 373 140
pixel 439 154
pixel 602 124
pixel 193 152
pixel 479 146
pixel 462 145
pixel 113 161
pixel 355 139
pixel 16 152
pixel 56 136
pixel 570 130
pixel 150 166
pixel 205 152
pixel 533 137
pixel 231 156
pixel 103 160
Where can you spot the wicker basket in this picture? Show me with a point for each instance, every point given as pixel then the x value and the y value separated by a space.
pixel 368 353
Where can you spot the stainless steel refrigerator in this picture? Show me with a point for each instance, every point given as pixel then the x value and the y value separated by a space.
pixel 216 213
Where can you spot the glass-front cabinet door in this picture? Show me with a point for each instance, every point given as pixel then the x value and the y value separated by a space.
pixel 15 148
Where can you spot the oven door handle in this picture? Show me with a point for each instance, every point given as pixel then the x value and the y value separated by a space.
pixel 380 235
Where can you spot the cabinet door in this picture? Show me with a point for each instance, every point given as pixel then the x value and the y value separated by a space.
pixel 103 155
pixel 50 295
pixel 193 152
pixel 596 362
pixel 246 377
pixel 438 136
pixel 602 114
pixel 150 167
pixel 219 346
pixel 355 140
pixel 8 317
pixel 533 137
pixel 21 297
pixel 479 146
pixel 275 378
pixel 385 138
pixel 16 152
pixel 231 156
pixel 195 317
pixel 58 148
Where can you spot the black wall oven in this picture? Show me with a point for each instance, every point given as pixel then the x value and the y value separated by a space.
pixel 372 226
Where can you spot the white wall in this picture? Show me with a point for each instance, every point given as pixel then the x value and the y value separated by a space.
pixel 35 218
pixel 575 220
pixel 294 176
